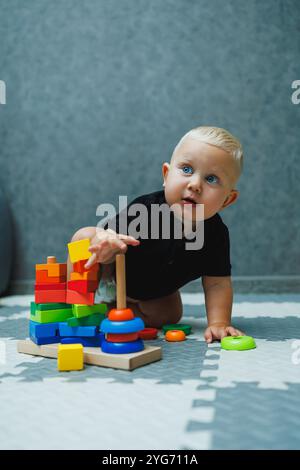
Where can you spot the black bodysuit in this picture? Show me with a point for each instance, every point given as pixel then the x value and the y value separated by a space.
pixel 158 267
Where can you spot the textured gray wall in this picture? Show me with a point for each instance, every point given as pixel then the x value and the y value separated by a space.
pixel 100 91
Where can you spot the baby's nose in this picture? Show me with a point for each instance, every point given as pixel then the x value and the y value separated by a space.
pixel 195 184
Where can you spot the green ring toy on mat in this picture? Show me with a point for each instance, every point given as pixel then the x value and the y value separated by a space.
pixel 178 326
pixel 238 343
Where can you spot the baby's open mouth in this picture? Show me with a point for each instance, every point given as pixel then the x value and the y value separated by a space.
pixel 188 200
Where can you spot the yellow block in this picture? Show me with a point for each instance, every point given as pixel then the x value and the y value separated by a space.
pixel 70 357
pixel 79 250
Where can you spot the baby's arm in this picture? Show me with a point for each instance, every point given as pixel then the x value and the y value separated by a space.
pixel 104 245
pixel 218 302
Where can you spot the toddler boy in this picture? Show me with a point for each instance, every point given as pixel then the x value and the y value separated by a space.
pixel 204 169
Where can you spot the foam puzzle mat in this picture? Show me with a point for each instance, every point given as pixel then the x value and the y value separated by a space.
pixel 196 397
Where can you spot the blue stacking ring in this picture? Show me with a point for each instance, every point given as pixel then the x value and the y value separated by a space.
pixel 130 326
pixel 122 348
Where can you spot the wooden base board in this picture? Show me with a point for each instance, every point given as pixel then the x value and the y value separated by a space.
pixel 95 356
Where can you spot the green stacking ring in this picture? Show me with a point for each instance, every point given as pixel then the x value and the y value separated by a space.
pixel 178 326
pixel 238 343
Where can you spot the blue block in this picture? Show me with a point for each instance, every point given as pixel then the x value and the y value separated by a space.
pixel 66 330
pixel 88 342
pixel 40 341
pixel 42 330
pixel 122 348
pixel 130 326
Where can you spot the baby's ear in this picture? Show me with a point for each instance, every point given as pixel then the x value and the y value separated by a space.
pixel 165 170
pixel 233 196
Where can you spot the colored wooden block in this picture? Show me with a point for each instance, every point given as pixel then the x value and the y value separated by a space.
pixel 80 311
pixel 84 287
pixel 49 306
pixel 87 275
pixel 41 277
pixel 74 297
pixel 79 250
pixel 78 267
pixel 95 356
pixel 42 330
pixel 46 333
pixel 56 286
pixel 92 320
pixel 94 342
pixel 42 341
pixel 53 270
pixel 43 296
pixel 70 357
pixel 65 330
pixel 51 316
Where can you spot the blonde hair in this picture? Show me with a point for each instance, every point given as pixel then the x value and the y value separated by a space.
pixel 218 137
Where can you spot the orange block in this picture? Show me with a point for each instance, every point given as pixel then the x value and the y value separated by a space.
pixel 48 296
pixel 85 276
pixel 83 286
pixel 78 266
pixel 55 286
pixel 41 277
pixel 74 297
pixel 53 268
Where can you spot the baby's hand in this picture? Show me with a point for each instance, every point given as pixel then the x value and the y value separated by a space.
pixel 106 244
pixel 219 331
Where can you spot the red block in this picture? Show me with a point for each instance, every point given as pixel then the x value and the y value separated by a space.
pixel 83 286
pixel 56 286
pixel 41 277
pixel 74 297
pixel 48 296
pixel 78 266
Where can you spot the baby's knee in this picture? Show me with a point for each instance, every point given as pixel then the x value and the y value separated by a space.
pixel 171 317
pixel 159 317
pixel 84 232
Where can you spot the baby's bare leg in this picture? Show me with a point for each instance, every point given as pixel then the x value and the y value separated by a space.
pixel 157 312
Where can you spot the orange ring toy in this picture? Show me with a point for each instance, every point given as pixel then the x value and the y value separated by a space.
pixel 120 314
pixel 175 335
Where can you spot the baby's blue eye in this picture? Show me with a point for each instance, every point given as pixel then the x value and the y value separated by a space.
pixel 188 170
pixel 213 179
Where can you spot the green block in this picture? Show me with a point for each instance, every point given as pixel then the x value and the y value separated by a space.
pixel 80 311
pixel 92 320
pixel 51 316
pixel 178 326
pixel 48 306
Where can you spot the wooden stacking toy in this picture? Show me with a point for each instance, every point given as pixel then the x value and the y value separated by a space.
pixel 65 323
pixel 121 327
